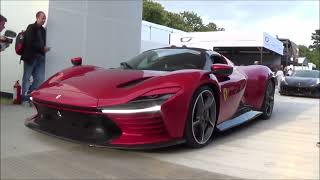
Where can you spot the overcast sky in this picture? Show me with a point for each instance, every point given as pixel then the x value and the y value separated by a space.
pixel 295 20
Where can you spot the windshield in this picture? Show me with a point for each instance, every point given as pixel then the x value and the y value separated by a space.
pixel 166 60
pixel 307 73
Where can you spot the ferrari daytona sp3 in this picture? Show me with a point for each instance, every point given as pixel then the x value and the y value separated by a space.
pixel 159 98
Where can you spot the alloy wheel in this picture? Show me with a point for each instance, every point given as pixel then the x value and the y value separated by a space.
pixel 203 117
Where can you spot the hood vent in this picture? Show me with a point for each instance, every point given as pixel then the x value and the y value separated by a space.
pixel 132 83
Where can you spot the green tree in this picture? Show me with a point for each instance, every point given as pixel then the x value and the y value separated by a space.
pixel 303 51
pixel 211 27
pixel 176 21
pixel 316 40
pixel 192 20
pixel 154 12
pixel 315 48
pixel 314 57
pixel 311 54
pixel 185 21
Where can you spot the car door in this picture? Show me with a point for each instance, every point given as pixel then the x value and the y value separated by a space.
pixel 232 89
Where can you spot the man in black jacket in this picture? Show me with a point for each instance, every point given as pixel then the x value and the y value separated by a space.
pixel 33 55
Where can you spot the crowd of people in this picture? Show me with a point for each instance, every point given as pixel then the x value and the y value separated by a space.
pixel 281 71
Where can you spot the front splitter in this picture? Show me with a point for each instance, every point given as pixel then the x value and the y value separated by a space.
pixel 34 126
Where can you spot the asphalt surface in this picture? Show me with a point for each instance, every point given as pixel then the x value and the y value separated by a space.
pixel 283 147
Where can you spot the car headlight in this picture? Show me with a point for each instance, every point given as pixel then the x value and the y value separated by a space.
pixel 142 104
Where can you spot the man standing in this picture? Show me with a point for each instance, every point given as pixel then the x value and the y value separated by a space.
pixel 3 40
pixel 33 55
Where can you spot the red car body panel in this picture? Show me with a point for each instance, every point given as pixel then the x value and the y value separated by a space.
pixel 88 89
pixel 235 88
pixel 257 77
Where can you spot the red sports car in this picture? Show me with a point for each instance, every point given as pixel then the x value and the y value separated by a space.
pixel 159 98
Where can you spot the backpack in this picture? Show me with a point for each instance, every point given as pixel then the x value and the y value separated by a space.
pixel 19 43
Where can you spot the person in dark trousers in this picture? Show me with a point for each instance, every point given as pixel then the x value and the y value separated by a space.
pixel 33 55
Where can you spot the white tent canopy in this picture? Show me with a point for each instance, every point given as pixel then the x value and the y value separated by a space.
pixel 208 40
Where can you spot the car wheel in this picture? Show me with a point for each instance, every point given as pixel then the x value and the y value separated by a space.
pixel 268 102
pixel 281 91
pixel 201 120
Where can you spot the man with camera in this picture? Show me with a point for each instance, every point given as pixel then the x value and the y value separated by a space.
pixel 33 55
pixel 4 43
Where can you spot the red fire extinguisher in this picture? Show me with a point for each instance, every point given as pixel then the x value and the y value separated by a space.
pixel 17 93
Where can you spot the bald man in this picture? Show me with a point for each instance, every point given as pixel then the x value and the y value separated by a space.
pixel 33 55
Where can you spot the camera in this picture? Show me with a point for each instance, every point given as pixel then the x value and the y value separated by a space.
pixel 9 34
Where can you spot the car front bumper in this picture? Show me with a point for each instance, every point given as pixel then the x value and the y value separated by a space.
pixel 313 91
pixel 94 128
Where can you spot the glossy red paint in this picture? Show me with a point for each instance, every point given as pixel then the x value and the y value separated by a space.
pixel 222 70
pixel 257 77
pixel 140 128
pixel 232 91
pixel 89 89
pixel 77 61
pixel 173 112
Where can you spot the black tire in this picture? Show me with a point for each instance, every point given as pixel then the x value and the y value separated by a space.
pixel 201 120
pixel 268 102
pixel 281 92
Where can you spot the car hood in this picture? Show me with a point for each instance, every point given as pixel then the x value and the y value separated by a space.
pixel 301 81
pixel 109 86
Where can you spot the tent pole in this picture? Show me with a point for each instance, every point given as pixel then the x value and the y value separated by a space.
pixel 261 55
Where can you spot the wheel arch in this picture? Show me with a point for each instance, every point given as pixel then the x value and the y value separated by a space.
pixel 273 81
pixel 265 114
pixel 216 92
pixel 207 85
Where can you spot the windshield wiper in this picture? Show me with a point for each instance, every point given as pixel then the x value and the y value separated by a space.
pixel 125 64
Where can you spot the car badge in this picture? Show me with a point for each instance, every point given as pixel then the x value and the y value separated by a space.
pixel 58 96
pixel 59 114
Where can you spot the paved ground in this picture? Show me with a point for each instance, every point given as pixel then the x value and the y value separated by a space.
pixel 282 147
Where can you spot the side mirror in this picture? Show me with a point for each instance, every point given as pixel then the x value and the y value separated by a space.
pixel 222 70
pixel 77 61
